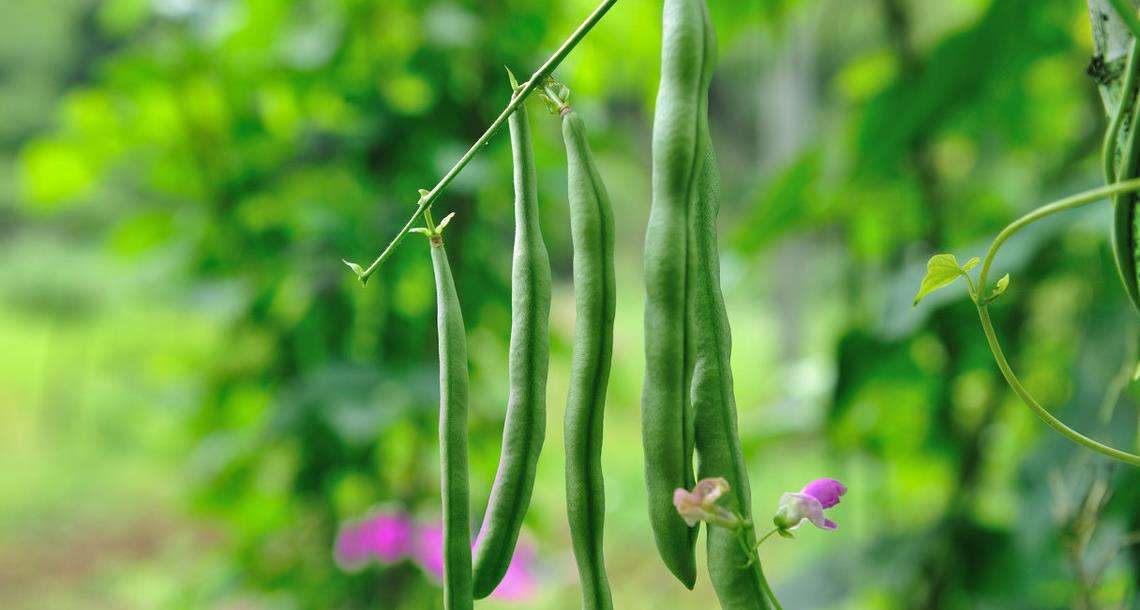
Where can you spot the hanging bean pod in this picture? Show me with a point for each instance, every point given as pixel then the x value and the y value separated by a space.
pixel 524 426
pixel 667 421
pixel 453 393
pixel 736 579
pixel 592 236
pixel 1123 166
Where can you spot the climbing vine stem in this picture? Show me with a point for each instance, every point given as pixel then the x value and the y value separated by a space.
pixel 535 82
pixel 982 302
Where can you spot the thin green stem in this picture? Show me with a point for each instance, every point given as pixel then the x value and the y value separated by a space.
pixel 1128 15
pixel 1061 205
pixel 765 537
pixel 523 93
pixel 768 588
pixel 754 561
pixel 1069 203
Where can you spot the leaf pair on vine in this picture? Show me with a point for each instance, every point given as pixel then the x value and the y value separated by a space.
pixel 943 270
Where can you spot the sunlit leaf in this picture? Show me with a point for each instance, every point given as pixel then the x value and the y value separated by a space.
pixel 941 271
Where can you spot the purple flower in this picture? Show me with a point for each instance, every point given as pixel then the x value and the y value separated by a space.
pixel 390 536
pixel 700 504
pixel 427 551
pixel 827 491
pixel 384 535
pixel 809 505
pixel 518 584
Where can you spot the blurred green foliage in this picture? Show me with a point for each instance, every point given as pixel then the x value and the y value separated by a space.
pixel 194 392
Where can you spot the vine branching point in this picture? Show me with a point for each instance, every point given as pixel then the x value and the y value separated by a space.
pixel 943 270
pixel 520 96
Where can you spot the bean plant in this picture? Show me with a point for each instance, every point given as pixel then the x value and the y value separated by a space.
pixel 1121 165
pixel 695 471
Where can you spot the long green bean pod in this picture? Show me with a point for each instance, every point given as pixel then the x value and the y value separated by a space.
pixel 737 581
pixel 667 420
pixel 524 427
pixel 452 434
pixel 1126 233
pixel 592 236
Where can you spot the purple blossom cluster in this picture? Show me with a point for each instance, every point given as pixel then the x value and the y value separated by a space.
pixel 389 536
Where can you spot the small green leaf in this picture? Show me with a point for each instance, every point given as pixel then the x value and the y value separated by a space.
pixel 443 223
pixel 785 533
pixel 941 271
pixel 357 269
pixel 1001 287
pixel 970 264
pixel 514 81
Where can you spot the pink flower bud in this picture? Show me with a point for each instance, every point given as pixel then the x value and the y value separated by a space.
pixel 700 504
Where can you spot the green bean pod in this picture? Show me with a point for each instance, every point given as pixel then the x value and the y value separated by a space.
pixel 452 435
pixel 524 427
pixel 736 580
pixel 1126 233
pixel 667 420
pixel 592 233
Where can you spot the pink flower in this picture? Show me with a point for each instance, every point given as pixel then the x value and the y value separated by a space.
pixel 385 536
pixel 518 584
pixel 809 504
pixel 827 491
pixel 391 536
pixel 700 504
pixel 427 550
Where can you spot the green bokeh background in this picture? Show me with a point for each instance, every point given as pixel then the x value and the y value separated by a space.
pixel 194 392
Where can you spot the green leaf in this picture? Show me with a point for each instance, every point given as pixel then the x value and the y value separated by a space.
pixel 443 223
pixel 970 264
pixel 1001 287
pixel 941 271
pixel 357 269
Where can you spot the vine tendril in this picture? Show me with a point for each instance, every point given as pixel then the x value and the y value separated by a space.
pixel 982 303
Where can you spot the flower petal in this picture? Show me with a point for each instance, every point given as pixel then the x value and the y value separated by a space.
pixel 710 490
pixel 827 491
pixel 794 508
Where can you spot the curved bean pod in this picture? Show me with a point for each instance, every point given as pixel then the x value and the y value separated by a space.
pixel 592 233
pixel 1126 233
pixel 667 424
pixel 452 435
pixel 524 427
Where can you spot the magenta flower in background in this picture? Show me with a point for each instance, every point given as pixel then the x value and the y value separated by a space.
pixel 427 551
pixel 519 582
pixel 391 536
pixel 809 505
pixel 385 536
